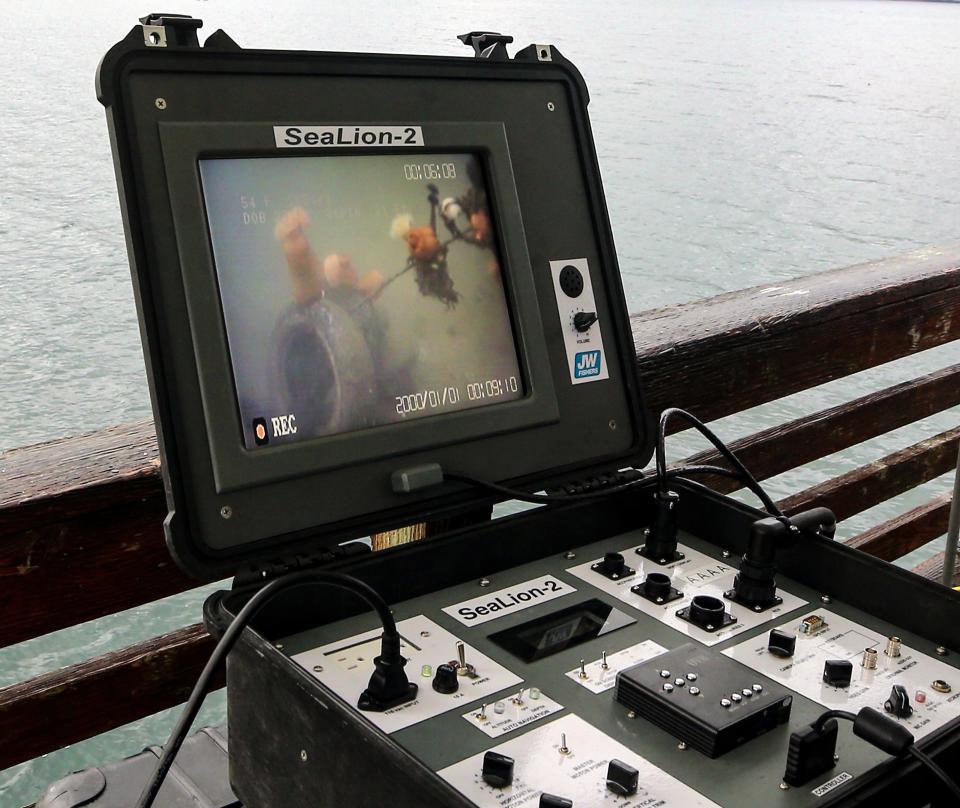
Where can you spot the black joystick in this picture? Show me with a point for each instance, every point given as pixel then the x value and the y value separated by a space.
pixel 661 536
pixel 657 588
pixel 446 680
pixel 613 566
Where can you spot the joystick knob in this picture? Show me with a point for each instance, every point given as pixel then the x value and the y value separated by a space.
pixel 446 680
pixel 706 611
pixel 613 563
pixel 657 585
pixel 622 779
pixel 497 769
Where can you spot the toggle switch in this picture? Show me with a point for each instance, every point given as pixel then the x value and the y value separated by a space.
pixel 622 778
pixel 497 769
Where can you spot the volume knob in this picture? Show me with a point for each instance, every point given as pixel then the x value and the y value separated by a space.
pixel 446 680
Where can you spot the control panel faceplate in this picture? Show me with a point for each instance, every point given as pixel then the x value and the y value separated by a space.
pixel 454 740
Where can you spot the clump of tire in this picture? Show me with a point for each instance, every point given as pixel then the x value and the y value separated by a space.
pixel 324 368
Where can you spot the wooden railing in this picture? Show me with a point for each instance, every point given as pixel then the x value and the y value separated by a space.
pixel 80 518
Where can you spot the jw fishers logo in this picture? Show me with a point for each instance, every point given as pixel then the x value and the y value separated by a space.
pixel 348 135
pixel 490 606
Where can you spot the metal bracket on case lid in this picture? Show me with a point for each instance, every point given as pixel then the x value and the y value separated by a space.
pixel 162 30
pixel 487 44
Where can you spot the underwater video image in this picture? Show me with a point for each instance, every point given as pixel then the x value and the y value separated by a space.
pixel 358 290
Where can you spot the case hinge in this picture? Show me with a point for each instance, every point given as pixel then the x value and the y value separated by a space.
pixel 606 479
pixel 170 30
pixel 274 569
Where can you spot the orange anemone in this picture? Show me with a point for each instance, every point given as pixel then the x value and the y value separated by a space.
pixel 423 243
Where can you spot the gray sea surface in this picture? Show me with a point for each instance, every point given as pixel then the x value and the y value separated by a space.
pixel 740 141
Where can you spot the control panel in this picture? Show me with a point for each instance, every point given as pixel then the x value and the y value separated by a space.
pixel 600 676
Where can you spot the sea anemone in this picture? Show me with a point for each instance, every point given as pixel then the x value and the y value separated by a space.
pixel 339 271
pixel 480 222
pixel 450 209
pixel 423 243
pixel 401 225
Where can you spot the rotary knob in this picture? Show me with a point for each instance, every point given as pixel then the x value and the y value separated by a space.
pixel 497 769
pixel 583 320
pixel 622 779
pixel 446 680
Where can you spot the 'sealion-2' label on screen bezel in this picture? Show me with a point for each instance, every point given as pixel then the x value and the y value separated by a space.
pixel 296 136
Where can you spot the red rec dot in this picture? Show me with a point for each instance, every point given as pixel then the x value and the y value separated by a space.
pixel 261 431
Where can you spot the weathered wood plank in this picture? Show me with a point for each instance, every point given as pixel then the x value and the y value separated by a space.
pixel 57 575
pixel 876 482
pixel 725 354
pixel 788 446
pixel 79 701
pixel 932 569
pixel 71 476
pixel 905 532
pixel 80 518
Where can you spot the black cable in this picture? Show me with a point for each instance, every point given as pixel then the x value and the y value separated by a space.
pixel 226 643
pixel 818 724
pixel 927 761
pixel 744 475
pixel 547 499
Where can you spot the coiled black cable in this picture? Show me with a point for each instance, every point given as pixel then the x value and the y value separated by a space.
pixel 229 638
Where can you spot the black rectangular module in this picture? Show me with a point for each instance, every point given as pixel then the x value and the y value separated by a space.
pixel 562 629
pixel 703 698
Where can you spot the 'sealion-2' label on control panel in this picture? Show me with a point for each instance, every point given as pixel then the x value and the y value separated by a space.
pixel 492 605
pixel 291 137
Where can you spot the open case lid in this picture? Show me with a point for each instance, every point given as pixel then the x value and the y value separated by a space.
pixel 350 265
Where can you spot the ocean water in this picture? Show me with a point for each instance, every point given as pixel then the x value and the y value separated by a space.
pixel 740 141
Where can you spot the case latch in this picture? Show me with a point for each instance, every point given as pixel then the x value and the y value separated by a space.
pixel 487 44
pixel 170 30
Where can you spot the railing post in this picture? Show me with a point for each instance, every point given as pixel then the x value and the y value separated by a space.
pixel 953 531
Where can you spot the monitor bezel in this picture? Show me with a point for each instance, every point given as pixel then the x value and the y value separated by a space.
pixel 235 467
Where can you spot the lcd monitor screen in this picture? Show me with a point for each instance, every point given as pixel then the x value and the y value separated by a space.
pixel 358 291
